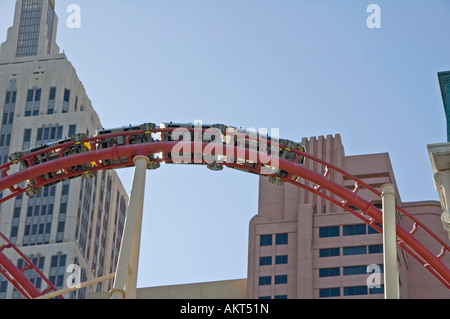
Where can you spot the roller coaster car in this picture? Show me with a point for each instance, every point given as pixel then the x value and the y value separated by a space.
pixel 244 139
pixel 138 138
pixel 143 135
pixel 212 135
pixel 27 159
pixel 285 151
pixel 168 136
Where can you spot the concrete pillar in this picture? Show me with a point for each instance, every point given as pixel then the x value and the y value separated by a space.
pixel 127 267
pixel 391 278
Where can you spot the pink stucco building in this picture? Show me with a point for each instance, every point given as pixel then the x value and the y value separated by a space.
pixel 303 246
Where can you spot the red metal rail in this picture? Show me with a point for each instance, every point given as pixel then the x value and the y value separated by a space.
pixel 348 199
pixel 17 276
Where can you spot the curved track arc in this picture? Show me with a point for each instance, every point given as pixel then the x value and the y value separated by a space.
pixel 365 211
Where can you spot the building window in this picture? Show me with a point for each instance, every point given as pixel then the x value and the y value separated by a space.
pixel 11 97
pixel 329 292
pixel 376 249
pixel 376 290
pixel 281 260
pixel 354 250
pixel 66 101
pixel 33 102
pixel 27 136
pixel 17 212
pixel 65 189
pixel 8 118
pixel 350 230
pixel 26 139
pixel 29 27
pixel 66 95
pixel 372 230
pixel 61 227
pixel 265 280
pixel 329 272
pixel 51 101
pixel 5 139
pixel 48 134
pixel 281 239
pixel 329 252
pixel 355 291
pixel 3 286
pixel 280 297
pixel 280 279
pixel 52 94
pixel 355 270
pixel 58 261
pixel 72 130
pixel 265 240
pixel 14 231
pixel 63 208
pixel 57 269
pixel 325 232
pixel 264 261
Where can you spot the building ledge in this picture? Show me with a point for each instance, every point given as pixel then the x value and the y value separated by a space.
pixel 440 163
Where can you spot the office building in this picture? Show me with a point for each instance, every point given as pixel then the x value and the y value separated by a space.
pixel 303 246
pixel 42 100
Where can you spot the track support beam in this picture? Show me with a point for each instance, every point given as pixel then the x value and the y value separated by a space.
pixel 127 268
pixel 391 278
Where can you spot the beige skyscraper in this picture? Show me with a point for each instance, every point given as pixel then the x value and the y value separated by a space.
pixel 41 100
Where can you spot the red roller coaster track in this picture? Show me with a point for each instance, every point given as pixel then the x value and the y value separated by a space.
pixel 343 197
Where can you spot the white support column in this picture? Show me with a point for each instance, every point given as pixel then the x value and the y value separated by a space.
pixel 391 280
pixel 130 287
pixel 127 267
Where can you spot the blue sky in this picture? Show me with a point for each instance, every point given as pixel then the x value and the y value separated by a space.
pixel 308 68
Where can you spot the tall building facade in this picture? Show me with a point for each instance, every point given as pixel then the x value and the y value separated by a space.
pixel 303 246
pixel 42 100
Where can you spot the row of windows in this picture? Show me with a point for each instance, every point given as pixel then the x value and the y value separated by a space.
pixel 267 260
pixel 33 229
pixel 350 291
pixel 29 14
pixel 31 5
pixel 8 118
pixel 347 230
pixel 5 140
pixel 29 29
pixel 34 97
pixel 275 297
pixel 347 271
pixel 26 50
pixel 40 210
pixel 351 250
pixel 267 280
pixel 47 134
pixel 11 97
pixel 49 191
pixel 57 261
pixel 267 240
